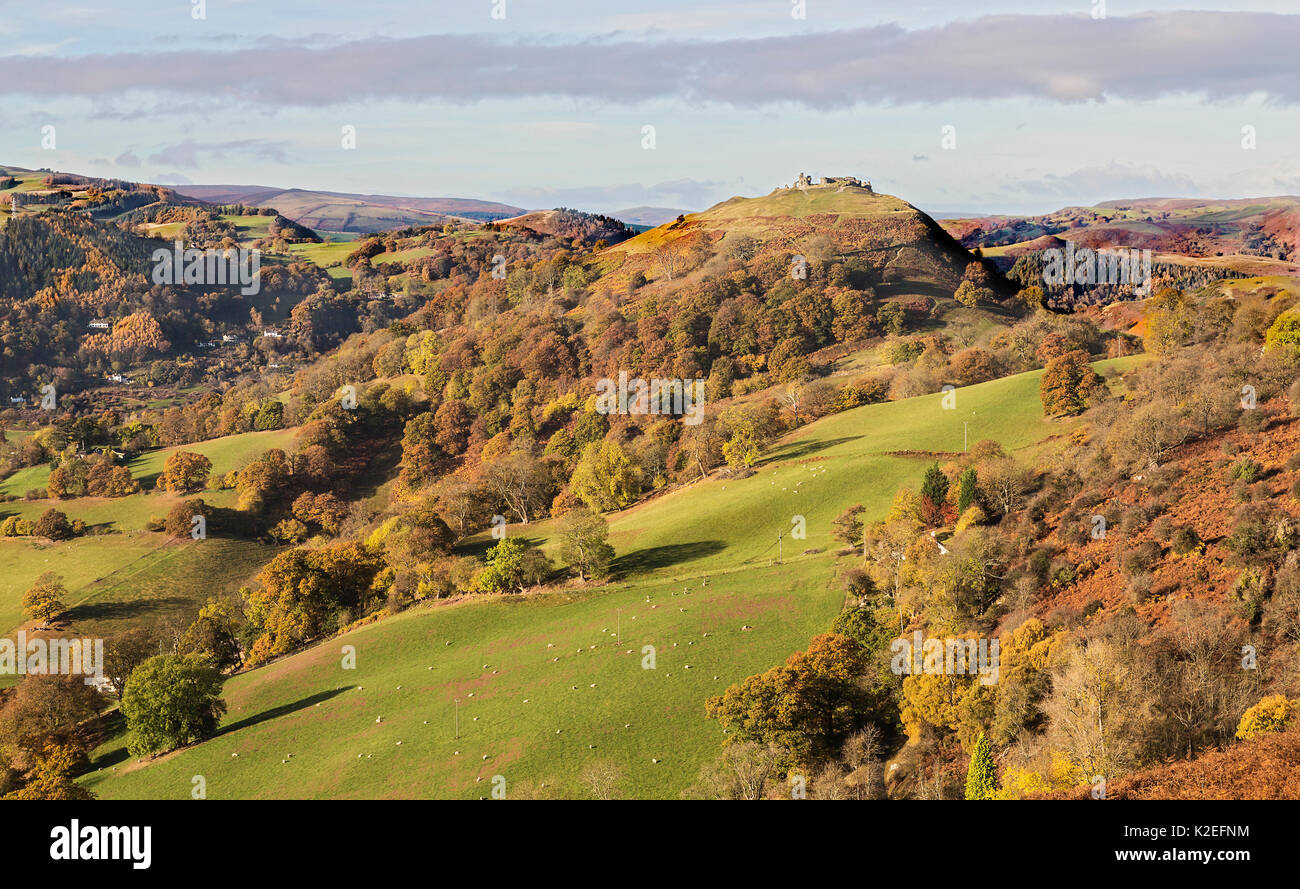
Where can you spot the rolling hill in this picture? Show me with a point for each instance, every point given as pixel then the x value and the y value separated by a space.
pixel 909 251
pixel 1255 236
pixel 362 213
pixel 544 686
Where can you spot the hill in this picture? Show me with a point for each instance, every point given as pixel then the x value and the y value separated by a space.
pixel 550 684
pixel 1252 235
pixel 327 211
pixel 1265 767
pixel 569 224
pixel 907 248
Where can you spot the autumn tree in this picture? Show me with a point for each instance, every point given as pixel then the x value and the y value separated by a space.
pixel 185 472
pixel 519 482
pixel 54 525
pixel 605 477
pixel 44 600
pixel 807 706
pixel 451 424
pixel 1098 708
pixel 847 526
pixel 302 593
pixel 1068 384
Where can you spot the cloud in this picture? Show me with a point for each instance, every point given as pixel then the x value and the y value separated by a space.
pixel 1111 181
pixel 127 158
pixel 1061 58
pixel 187 153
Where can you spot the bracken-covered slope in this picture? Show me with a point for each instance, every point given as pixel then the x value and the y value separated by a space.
pixel 906 247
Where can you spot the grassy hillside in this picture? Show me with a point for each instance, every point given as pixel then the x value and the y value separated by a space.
pixel 549 684
pixel 818 471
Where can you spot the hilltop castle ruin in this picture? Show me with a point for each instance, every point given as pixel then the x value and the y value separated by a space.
pixel 806 181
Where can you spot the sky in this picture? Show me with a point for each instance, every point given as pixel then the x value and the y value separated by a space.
pixel 1011 106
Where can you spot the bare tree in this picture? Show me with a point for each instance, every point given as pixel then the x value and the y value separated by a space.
pixel 602 779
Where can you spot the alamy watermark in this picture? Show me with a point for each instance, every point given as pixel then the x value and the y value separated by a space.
pixel 65 657
pixel 678 398
pixel 210 267
pixel 946 657
pixel 1114 265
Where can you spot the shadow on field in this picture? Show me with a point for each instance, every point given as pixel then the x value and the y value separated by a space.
pixel 664 556
pixel 479 545
pixel 110 611
pixel 804 448
pixel 283 710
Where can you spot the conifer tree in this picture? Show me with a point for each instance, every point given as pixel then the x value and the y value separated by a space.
pixel 982 777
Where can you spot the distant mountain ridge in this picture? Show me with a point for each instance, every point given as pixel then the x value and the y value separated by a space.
pixel 330 211
pixel 1258 235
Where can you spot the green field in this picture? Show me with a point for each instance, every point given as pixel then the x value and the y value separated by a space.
pixel 324 254
pixel 403 255
pixel 80 562
pixel 124 571
pixel 250 228
pixel 543 713
pixel 545 683
pixel 231 452
pixel 819 471
pixel 118 581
